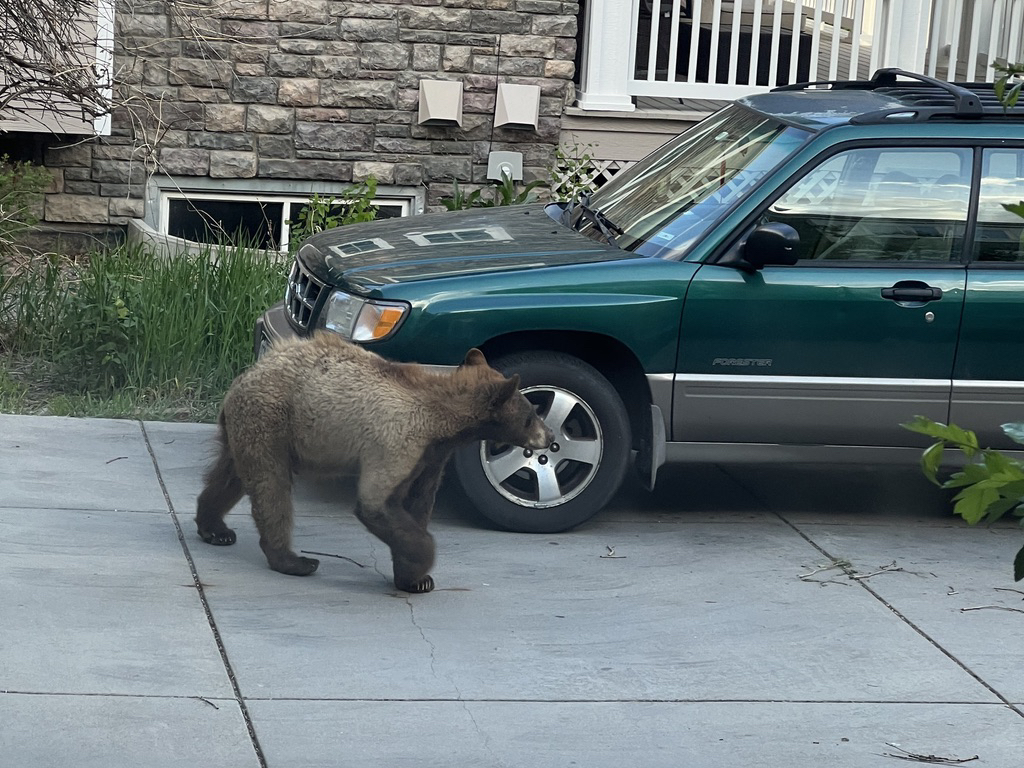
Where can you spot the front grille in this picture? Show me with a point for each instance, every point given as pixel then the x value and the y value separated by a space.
pixel 301 295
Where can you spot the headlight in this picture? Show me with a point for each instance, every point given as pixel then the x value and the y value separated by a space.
pixel 359 319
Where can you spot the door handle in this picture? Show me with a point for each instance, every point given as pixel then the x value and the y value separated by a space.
pixel 912 290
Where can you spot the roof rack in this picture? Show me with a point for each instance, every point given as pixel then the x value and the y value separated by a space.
pixel 925 99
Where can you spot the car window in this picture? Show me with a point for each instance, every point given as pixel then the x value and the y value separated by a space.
pixel 671 197
pixel 881 204
pixel 1000 231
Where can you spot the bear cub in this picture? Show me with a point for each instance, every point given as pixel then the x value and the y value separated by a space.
pixel 327 405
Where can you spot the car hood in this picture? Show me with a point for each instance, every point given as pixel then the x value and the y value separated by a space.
pixel 449 244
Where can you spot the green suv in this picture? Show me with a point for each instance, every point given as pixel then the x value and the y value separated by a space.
pixel 788 280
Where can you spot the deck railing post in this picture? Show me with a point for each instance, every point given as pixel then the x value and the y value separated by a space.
pixel 608 55
pixel 906 33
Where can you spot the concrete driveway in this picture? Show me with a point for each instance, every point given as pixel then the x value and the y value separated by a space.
pixel 697 626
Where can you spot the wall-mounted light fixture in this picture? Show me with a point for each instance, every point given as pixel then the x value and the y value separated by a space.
pixel 517 106
pixel 440 102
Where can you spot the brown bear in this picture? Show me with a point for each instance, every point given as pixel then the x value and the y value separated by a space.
pixel 327 405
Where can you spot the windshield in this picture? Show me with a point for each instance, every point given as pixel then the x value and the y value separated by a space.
pixel 671 197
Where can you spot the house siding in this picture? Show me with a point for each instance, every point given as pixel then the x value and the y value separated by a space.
pixel 316 90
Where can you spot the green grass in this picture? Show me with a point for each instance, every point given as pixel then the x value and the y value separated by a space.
pixel 127 333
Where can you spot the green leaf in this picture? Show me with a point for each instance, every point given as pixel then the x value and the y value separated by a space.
pixel 974 503
pixel 961 438
pixel 931 459
pixel 1015 208
pixel 970 474
pixel 1010 99
pixel 1013 489
pixel 926 426
pixel 1015 430
pixel 998 508
pixel 1018 565
pixel 998 463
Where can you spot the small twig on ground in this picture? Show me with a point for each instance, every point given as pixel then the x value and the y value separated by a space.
pixel 611 553
pixel 1009 589
pixel 952 591
pixel 890 568
pixel 993 607
pixel 206 701
pixel 934 759
pixel 844 565
pixel 328 554
pixel 116 459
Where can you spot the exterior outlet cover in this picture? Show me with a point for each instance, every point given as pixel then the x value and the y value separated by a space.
pixel 440 102
pixel 509 162
pixel 517 106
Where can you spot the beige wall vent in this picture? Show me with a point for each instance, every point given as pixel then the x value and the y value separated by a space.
pixel 518 106
pixel 440 102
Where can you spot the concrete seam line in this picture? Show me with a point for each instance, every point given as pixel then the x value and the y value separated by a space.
pixel 236 690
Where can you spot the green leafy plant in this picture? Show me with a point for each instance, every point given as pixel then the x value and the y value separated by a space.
pixel 324 212
pixel 507 192
pixel 573 173
pixel 991 484
pixel 460 201
pixel 504 192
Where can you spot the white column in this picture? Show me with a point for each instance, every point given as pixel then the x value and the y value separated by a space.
pixel 906 40
pixel 607 59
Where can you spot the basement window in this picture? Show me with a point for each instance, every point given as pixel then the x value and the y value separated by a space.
pixel 263 221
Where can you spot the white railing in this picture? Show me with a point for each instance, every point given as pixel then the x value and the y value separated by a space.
pixel 969 36
pixel 724 49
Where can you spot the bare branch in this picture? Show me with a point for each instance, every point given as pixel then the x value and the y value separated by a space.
pixel 49 62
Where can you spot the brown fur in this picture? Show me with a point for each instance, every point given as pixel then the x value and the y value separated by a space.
pixel 328 405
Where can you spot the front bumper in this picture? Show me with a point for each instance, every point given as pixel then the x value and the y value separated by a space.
pixel 272 326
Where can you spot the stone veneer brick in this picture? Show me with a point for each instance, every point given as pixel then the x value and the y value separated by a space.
pixel 317 90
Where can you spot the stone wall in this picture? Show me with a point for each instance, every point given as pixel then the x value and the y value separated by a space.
pixel 314 90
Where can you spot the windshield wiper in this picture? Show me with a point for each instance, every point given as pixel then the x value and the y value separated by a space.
pixel 605 226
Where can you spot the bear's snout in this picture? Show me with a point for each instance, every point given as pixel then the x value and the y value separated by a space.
pixel 540 436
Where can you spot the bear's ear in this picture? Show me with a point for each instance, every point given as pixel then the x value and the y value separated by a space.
pixel 505 391
pixel 474 357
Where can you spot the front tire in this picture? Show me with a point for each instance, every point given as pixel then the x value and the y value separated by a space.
pixel 567 484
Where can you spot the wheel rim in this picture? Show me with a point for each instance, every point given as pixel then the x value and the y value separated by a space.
pixel 555 475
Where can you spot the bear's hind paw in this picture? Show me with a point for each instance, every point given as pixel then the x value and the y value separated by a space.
pixel 419 586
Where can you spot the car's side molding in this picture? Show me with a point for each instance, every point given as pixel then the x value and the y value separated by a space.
pixel 861 383
pixel 802 410
pixel 775 453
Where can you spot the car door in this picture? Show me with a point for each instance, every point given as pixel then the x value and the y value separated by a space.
pixel 988 379
pixel 856 337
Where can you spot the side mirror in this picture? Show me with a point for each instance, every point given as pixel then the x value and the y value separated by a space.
pixel 772 243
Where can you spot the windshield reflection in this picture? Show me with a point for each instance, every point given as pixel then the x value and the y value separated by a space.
pixel 672 196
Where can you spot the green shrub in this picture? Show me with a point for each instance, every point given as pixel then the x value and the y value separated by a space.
pixel 327 212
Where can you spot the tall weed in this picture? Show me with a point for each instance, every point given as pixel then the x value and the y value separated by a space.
pixel 21 188
pixel 127 319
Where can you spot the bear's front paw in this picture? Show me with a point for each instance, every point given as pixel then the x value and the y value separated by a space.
pixel 221 538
